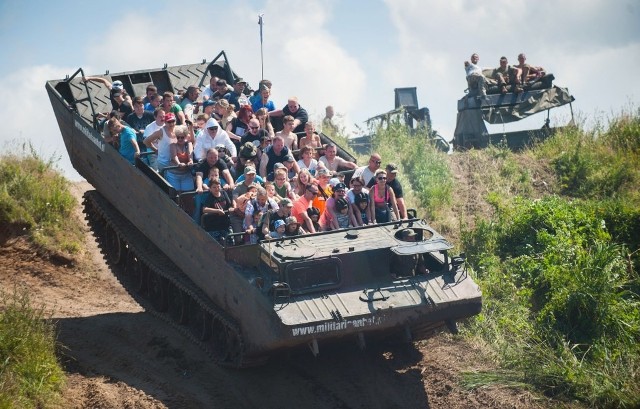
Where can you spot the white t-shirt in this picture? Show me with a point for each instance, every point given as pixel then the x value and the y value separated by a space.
pixel 151 128
pixel 312 165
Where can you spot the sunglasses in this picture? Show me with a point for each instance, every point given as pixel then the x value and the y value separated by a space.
pixel 180 138
pixel 213 128
pixel 171 122
pixel 382 178
pixel 377 162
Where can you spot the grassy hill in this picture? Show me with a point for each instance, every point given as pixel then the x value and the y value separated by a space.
pixel 551 234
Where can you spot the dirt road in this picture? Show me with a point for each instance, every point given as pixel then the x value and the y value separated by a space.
pixel 116 355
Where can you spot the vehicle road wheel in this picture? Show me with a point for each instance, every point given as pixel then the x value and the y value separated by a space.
pixel 114 247
pixel 225 343
pixel 157 286
pixel 178 302
pixel 199 321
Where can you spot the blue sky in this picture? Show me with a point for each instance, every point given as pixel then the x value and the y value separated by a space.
pixel 350 54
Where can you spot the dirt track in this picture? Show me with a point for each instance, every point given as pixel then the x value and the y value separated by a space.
pixel 118 356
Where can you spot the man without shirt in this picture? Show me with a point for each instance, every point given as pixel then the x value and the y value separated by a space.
pixel 332 162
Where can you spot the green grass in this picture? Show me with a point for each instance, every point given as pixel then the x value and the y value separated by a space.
pixel 35 197
pixel 551 234
pixel 30 375
pixel 35 202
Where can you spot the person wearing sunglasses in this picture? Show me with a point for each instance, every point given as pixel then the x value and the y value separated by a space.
pixel 161 139
pixel 181 157
pixel 382 200
pixel 367 172
pixel 300 206
pixel 211 137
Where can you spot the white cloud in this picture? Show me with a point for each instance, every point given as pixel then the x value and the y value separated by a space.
pixel 29 116
pixel 584 43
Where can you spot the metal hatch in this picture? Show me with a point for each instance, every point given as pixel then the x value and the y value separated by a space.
pixel 407 249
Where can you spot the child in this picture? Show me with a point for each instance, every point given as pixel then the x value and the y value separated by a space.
pixel 342 213
pixel 293 228
pixel 214 173
pixel 280 229
pixel 314 215
pixel 362 202
pixel 253 233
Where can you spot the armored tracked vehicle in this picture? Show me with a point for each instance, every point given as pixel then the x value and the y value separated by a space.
pixel 503 108
pixel 244 302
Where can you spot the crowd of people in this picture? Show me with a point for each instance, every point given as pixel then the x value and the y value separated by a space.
pixel 249 178
pixel 508 78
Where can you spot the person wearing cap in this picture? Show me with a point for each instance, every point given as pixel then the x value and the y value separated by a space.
pixel 293 227
pixel 331 218
pixel 261 204
pixel 208 107
pixel 290 139
pixel 240 191
pixel 324 189
pixel 169 105
pixel 271 217
pixel 394 184
pixel 161 139
pixel 238 90
pixel 279 229
pixel 299 114
pixel 368 172
pixel 115 86
pixel 334 163
pixel 291 166
pixel 300 206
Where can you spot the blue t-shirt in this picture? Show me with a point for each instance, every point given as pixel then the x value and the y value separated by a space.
pixel 256 105
pixel 127 139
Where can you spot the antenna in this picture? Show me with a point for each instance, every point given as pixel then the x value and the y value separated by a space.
pixel 261 23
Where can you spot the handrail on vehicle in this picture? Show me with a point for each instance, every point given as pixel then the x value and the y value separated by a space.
pixel 88 98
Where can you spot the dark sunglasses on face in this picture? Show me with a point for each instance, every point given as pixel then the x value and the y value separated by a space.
pixel 213 128
pixel 382 178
